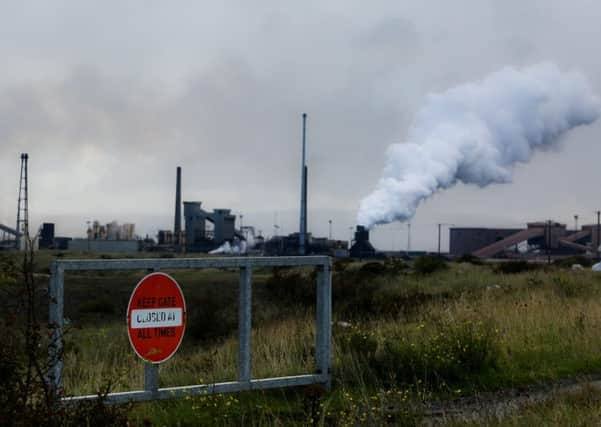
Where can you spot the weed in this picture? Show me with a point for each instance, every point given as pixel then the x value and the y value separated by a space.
pixel 570 286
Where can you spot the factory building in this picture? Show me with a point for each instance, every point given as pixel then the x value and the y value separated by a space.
pixel 111 231
pixel 166 238
pixel 8 237
pixel 108 238
pixel 465 240
pixel 206 231
pixel 543 236
pixel 47 236
pixel 104 246
pixel 288 246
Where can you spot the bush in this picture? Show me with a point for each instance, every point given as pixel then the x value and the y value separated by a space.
pixel 9 270
pixel 428 264
pixel 395 266
pixel 470 259
pixel 291 287
pixel 373 268
pixel 363 291
pixel 451 354
pixel 568 262
pixel 341 264
pixel 360 343
pixel 514 267
pixel 406 301
pixel 353 293
pixel 212 317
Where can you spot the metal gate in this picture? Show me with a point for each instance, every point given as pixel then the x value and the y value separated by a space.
pixel 151 371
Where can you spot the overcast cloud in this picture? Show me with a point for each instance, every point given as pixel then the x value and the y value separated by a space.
pixel 109 98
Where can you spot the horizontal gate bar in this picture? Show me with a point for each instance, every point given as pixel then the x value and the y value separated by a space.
pixel 177 263
pixel 205 389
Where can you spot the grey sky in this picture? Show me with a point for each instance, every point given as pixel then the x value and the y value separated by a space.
pixel 109 98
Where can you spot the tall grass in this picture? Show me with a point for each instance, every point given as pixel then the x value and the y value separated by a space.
pixel 398 335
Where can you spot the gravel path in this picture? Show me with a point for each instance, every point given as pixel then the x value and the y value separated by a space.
pixel 484 406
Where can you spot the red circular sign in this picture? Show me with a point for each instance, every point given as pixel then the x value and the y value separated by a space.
pixel 156 317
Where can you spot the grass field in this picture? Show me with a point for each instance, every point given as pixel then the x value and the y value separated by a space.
pixel 403 333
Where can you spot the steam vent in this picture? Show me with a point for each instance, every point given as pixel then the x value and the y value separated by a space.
pixel 361 247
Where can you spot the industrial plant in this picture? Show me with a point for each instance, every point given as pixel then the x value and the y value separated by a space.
pixel 216 231
pixel 203 231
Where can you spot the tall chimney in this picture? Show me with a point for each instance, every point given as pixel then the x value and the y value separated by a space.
pixel 177 227
pixel 306 198
pixel 303 207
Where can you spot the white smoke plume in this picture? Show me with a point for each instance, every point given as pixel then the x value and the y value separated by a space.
pixel 475 133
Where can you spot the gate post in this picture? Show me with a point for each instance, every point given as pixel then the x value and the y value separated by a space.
pixel 244 325
pixel 151 378
pixel 324 322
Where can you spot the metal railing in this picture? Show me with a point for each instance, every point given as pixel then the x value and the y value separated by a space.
pixel 151 371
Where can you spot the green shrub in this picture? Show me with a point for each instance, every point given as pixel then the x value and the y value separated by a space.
pixel 341 264
pixel 568 262
pixel 9 271
pixel 373 268
pixel 395 266
pixel 291 287
pixel 470 259
pixel 514 267
pixel 390 266
pixel 428 264
pixel 361 344
pixel 450 354
pixel 353 294
pixel 365 291
pixel 403 301
pixel 212 317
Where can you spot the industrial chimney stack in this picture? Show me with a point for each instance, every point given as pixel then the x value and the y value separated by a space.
pixel 177 227
pixel 303 208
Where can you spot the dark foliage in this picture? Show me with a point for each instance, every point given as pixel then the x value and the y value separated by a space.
pixel 429 264
pixel 514 267
pixel 213 316
pixel 568 262
pixel 291 287
pixel 470 259
pixel 26 398
pixel 98 305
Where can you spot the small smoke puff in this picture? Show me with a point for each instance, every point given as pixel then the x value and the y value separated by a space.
pixel 475 133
